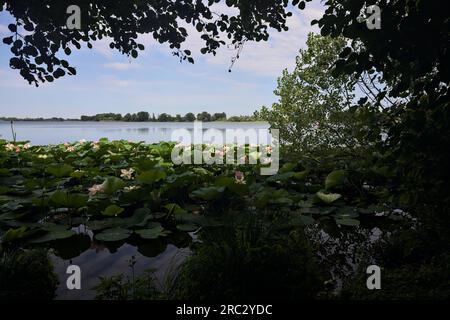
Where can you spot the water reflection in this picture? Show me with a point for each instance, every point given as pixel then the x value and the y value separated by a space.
pixel 95 264
pixel 98 259
pixel 48 132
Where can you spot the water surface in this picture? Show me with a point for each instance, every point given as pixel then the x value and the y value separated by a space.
pixel 53 132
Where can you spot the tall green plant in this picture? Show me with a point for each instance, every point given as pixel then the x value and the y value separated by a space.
pixel 312 112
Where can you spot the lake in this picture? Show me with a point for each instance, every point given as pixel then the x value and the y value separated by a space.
pixel 54 132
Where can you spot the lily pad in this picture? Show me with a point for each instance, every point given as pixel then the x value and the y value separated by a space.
pixel 112 210
pixel 62 198
pixel 151 176
pixel 54 235
pixel 328 197
pixel 174 208
pixel 96 225
pixel 112 184
pixel 334 179
pixel 152 233
pixel 139 218
pixel 187 227
pixel 281 176
pixel 303 220
pixel 115 234
pixel 60 170
pixel 208 193
pixel 300 175
pixel 14 234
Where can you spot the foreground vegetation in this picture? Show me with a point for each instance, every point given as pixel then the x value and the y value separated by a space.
pixel 132 192
pixel 135 188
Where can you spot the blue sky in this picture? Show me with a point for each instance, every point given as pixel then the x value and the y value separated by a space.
pixel 157 82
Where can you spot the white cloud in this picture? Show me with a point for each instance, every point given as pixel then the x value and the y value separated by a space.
pixel 269 58
pixel 121 66
pixel 12 79
pixel 4 29
pixel 114 82
pixel 102 46
pixel 265 58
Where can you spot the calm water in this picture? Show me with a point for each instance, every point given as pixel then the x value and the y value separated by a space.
pixel 53 132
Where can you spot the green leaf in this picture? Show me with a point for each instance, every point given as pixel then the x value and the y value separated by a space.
pixel 224 181
pixel 40 202
pixel 112 184
pixel 139 218
pixel 328 197
pixel 62 198
pixel 77 200
pixel 208 193
pixel 334 179
pixel 289 166
pixel 96 225
pixel 115 234
pixel 187 227
pixel 307 220
pixel 112 210
pixel 59 198
pixel 174 209
pixel 14 234
pixel 60 170
pixel 152 233
pixel 300 175
pixel 151 176
pixel 54 235
pixel 12 27
pixel 8 40
pixel 281 176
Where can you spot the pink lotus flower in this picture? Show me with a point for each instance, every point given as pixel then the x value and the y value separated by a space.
pixel 71 149
pixel 26 146
pixel 239 177
pixel 17 149
pixel 96 188
pixel 269 149
pixel 66 144
pixel 220 153
pixel 10 147
pixel 82 141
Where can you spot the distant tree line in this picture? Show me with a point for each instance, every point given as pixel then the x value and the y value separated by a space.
pixel 144 116
pixel 34 119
